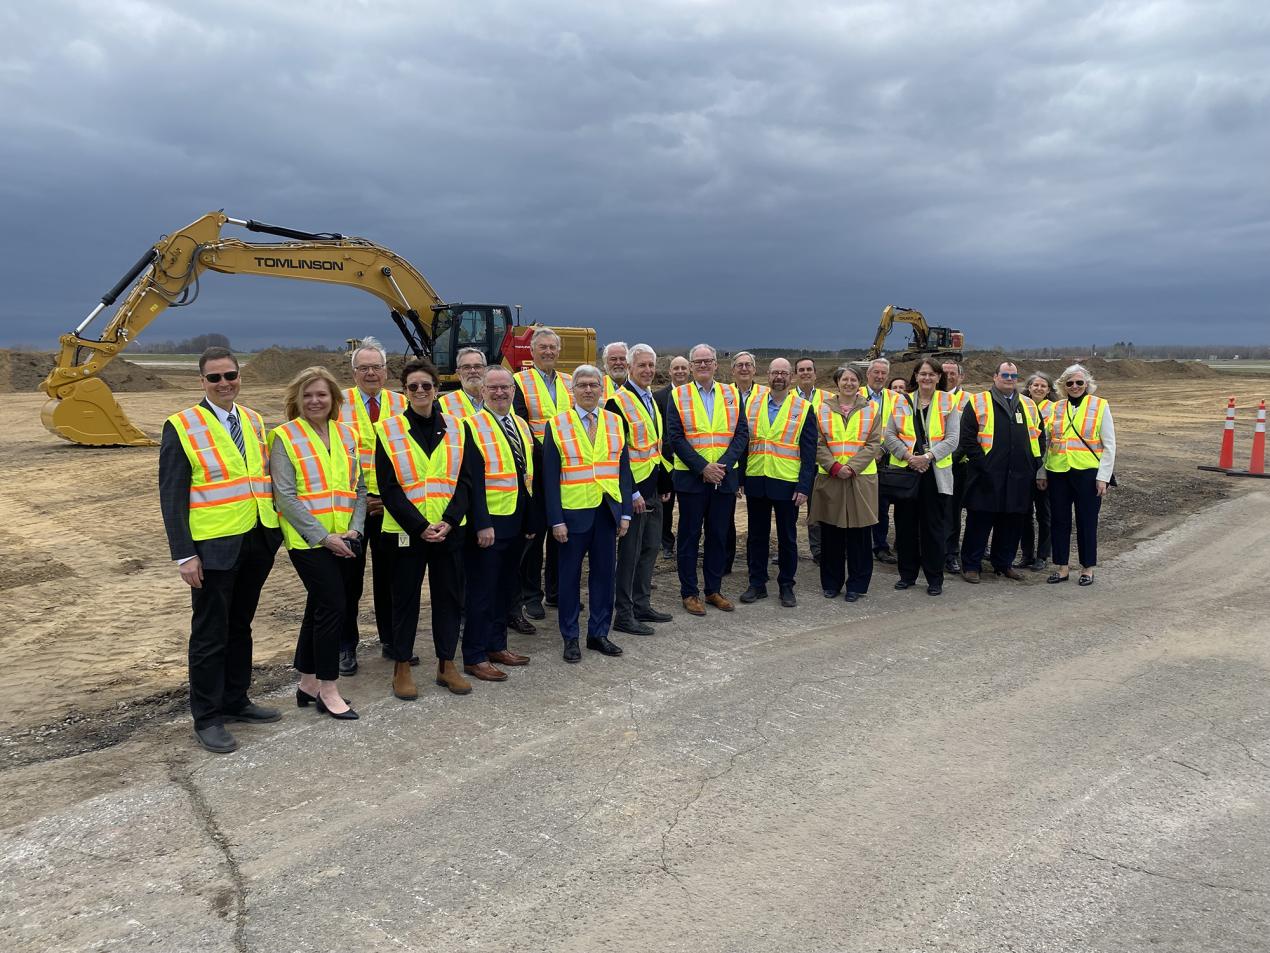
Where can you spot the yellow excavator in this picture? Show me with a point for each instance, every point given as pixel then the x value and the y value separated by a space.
pixel 942 343
pixel 82 409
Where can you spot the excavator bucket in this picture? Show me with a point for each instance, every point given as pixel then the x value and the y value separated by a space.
pixel 88 413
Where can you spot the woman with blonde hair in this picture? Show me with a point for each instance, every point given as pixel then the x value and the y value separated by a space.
pixel 1035 541
pixel 1080 462
pixel 321 501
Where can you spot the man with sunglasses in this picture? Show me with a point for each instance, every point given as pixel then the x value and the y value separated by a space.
pixel 217 503
pixel 1002 441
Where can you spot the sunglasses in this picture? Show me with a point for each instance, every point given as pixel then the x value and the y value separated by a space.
pixel 1008 377
pixel 425 386
pixel 216 378
pixel 1075 383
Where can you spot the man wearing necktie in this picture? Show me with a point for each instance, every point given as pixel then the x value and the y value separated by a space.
pixel 222 529
pixel 884 399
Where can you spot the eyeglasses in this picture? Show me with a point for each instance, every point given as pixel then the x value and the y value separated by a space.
pixel 424 386
pixel 362 369
pixel 1075 383
pixel 1008 377
pixel 703 361
pixel 216 378
pixel 471 367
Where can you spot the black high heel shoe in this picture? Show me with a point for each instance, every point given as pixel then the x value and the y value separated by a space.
pixel 349 715
pixel 303 699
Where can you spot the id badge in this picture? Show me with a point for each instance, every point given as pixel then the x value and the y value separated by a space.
pixel 1018 417
pixel 403 540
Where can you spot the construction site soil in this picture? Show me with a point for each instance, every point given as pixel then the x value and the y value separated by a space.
pixel 95 618
pixel 22 372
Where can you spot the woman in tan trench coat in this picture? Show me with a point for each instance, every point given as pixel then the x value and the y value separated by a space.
pixel 844 500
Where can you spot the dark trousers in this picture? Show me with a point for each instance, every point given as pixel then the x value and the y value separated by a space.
pixel 598 548
pixel 1079 489
pixel 813 533
pixel 920 533
pixel 330 581
pixel 955 503
pixel 846 556
pixel 636 560
pixel 380 546
pixel 757 547
pixel 441 564
pixel 1005 528
pixel 668 524
pixel 220 631
pixel 707 513
pixel 1036 535
pixel 729 547
pixel 883 525
pixel 493 583
pixel 535 583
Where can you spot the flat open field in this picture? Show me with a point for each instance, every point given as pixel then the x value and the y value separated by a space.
pixel 95 617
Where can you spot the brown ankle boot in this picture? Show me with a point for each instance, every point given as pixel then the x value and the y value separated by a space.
pixel 403 683
pixel 448 676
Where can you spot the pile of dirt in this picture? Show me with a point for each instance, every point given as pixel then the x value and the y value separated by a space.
pixel 23 371
pixel 279 365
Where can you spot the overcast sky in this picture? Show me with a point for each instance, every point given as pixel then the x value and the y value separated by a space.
pixel 747 173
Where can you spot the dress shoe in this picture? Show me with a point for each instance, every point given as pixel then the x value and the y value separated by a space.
pixel 970 576
pixel 694 606
pixel 303 699
pixel 403 682
pixel 254 713
pixel 652 615
pixel 571 651
pixel 1038 565
pixel 1010 573
pixel 535 611
pixel 348 663
pixel 831 593
pixel 717 600
pixel 485 672
pixel 885 556
pixel 905 584
pixel 386 652
pixel 1086 579
pixel 518 623
pixel 934 590
pixel 753 594
pixel 508 657
pixel 815 558
pixel 854 596
pixel 633 628
pixel 448 676
pixel 216 739
pixel 952 564
pixel 1057 577
pixel 346 715
pixel 787 597
pixel 601 644
pixel 551 602
pixel 667 554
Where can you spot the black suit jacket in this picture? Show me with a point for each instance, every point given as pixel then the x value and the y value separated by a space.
pixel 580 520
pixel 175 477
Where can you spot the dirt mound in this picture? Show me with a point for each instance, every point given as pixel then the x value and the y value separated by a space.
pixel 277 365
pixel 22 372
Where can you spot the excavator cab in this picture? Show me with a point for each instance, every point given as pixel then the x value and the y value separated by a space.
pixel 456 326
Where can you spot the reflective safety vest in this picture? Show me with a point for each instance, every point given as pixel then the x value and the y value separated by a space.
pixel 588 471
pixel 1067 426
pixel 959 398
pixel 456 403
pixel 228 494
pixel 325 480
pixel 354 416
pixel 817 398
pixel 500 462
pixel 942 405
pixel 428 481
pixel 982 403
pixel 1044 407
pixel 774 450
pixel 645 446
pixel 757 392
pixel 845 439
pixel 889 400
pixel 610 388
pixel 538 401
pixel 709 437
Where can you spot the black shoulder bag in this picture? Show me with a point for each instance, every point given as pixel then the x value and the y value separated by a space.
pixel 899 483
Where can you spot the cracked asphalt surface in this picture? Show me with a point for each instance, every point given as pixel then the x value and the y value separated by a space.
pixel 1021 768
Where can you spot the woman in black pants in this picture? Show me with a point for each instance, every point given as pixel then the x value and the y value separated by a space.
pixel 1035 542
pixel 922 435
pixel 431 478
pixel 321 502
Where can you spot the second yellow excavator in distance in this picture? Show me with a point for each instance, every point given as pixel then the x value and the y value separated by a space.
pixel 82 409
pixel 927 341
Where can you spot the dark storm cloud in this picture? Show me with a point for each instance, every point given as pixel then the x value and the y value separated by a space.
pixel 754 173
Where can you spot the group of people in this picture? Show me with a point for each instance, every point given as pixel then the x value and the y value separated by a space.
pixel 499 493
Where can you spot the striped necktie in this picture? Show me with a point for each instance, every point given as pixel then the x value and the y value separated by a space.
pixel 236 432
pixel 513 438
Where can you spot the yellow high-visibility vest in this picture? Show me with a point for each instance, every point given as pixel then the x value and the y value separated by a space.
pixel 709 436
pixel 1067 426
pixel 589 470
pixel 845 439
pixel 539 403
pixel 500 462
pixel 325 479
pixel 228 493
pixel 982 403
pixel 942 405
pixel 889 400
pixel 456 403
pixel 1044 407
pixel 645 446
pixel 817 398
pixel 354 416
pixel 427 480
pixel 959 398
pixel 773 450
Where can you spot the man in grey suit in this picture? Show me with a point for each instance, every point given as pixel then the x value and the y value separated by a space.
pixel 213 456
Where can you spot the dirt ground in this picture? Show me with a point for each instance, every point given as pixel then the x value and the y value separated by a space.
pixel 95 618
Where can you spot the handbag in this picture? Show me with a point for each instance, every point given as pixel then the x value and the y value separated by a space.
pixel 898 483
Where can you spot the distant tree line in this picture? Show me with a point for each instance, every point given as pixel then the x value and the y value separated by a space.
pixel 195 345
pixel 1122 349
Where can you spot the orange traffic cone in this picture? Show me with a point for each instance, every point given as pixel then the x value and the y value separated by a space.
pixel 1226 459
pixel 1257 463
